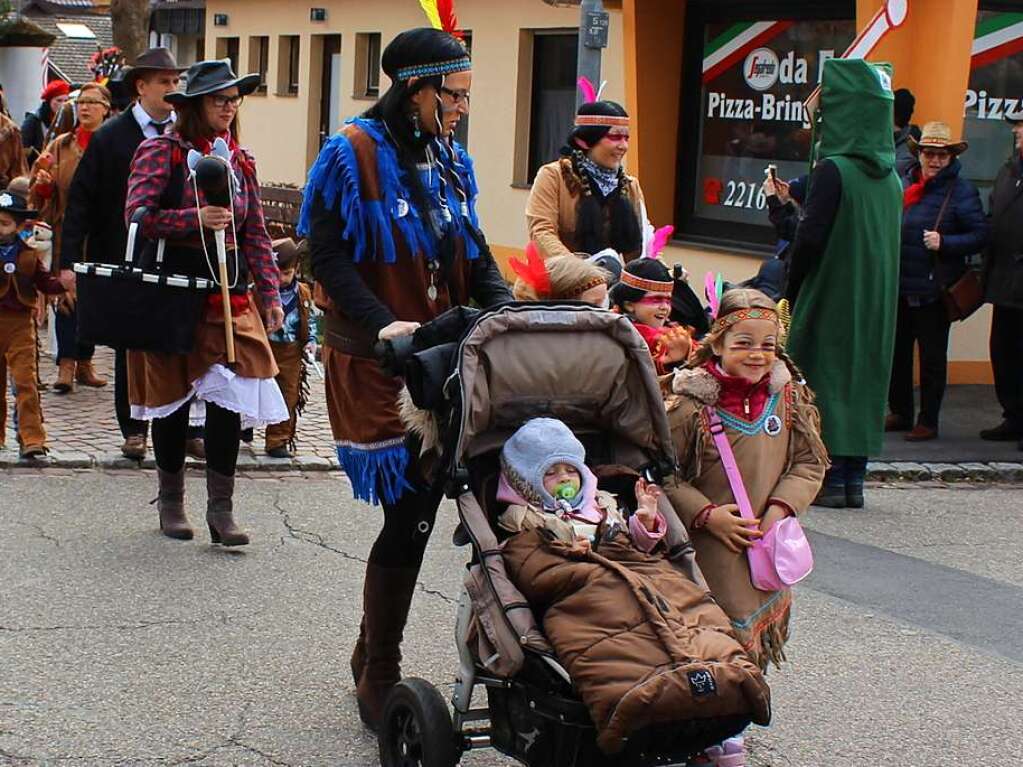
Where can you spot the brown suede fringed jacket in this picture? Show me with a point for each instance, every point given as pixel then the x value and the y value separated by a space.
pixel 786 466
pixel 643 644
pixel 551 208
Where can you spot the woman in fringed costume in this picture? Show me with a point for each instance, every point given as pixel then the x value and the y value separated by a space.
pixel 390 216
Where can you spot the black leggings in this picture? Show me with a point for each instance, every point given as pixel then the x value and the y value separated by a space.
pixel 223 433
pixel 402 541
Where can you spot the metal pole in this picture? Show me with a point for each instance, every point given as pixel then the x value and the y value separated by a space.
pixel 593 24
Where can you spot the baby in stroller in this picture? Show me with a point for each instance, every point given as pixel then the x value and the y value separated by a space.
pixel 642 644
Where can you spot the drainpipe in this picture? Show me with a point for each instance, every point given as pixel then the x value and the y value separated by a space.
pixel 593 27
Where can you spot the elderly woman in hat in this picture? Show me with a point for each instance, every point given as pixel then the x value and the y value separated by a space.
pixel 585 201
pixel 942 224
pixel 51 178
pixel 162 386
pixel 390 212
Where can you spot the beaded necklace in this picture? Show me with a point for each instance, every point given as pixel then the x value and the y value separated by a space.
pixel 768 422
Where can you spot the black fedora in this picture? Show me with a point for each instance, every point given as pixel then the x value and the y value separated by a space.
pixel 14 204
pixel 206 77
pixel 153 60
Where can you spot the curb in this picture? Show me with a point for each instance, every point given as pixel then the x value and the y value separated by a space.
pixel 903 471
pixel 64 459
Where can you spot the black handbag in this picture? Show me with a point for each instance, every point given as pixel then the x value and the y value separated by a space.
pixel 140 304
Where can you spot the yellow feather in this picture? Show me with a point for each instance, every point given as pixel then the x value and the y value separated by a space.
pixel 784 314
pixel 430 9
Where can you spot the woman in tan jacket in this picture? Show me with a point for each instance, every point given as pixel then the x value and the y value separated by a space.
pixel 50 182
pixel 585 201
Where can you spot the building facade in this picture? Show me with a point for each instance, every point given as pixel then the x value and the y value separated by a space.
pixel 715 88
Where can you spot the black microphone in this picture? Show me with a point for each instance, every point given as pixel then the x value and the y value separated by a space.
pixel 211 175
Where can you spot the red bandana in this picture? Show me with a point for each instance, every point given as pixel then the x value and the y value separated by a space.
pixel 914 193
pixel 83 136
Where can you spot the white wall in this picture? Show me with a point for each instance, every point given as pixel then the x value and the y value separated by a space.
pixel 22 74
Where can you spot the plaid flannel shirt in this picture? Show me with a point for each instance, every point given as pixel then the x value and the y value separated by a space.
pixel 150 174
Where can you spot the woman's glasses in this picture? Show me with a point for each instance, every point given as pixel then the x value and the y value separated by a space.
pixel 457 97
pixel 222 101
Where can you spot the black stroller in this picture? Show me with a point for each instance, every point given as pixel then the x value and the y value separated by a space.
pixel 591 369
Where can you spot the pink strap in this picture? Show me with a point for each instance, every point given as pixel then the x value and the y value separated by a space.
pixel 717 431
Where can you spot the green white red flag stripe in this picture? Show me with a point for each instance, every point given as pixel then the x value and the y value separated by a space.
pixel 996 38
pixel 732 45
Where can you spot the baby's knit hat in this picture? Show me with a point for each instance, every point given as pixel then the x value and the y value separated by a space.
pixel 534 448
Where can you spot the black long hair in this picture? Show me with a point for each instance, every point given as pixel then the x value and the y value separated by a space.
pixel 624 233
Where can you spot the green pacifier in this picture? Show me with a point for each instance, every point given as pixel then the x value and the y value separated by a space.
pixel 566 491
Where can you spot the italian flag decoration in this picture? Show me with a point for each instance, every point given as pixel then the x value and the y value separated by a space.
pixel 732 45
pixel 996 38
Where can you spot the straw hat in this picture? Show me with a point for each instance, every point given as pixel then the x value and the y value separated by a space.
pixel 936 135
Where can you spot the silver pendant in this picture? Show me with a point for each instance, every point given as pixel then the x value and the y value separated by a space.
pixel 10 267
pixel 431 292
pixel 772 426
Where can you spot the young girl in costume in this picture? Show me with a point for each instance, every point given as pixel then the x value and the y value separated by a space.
pixel 568 278
pixel 644 296
pixel 612 605
pixel 741 373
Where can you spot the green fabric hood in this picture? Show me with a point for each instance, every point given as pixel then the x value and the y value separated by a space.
pixel 856 114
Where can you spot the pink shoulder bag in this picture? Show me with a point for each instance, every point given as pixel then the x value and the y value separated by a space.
pixel 782 557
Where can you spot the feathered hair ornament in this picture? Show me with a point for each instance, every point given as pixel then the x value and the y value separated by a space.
pixel 658 241
pixel 713 284
pixel 441 14
pixel 533 271
pixel 105 62
pixel 590 94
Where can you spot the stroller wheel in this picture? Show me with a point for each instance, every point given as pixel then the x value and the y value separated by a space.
pixel 416 729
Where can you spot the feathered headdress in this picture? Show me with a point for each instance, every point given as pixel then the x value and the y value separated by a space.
pixel 590 94
pixel 441 14
pixel 105 62
pixel 658 240
pixel 714 285
pixel 533 271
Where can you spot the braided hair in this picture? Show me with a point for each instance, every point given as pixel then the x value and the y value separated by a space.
pixel 624 233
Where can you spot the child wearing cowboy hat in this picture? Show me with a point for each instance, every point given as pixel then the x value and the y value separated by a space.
pixel 291 345
pixel 22 279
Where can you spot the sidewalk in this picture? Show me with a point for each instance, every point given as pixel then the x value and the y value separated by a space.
pixel 83 433
pixel 82 429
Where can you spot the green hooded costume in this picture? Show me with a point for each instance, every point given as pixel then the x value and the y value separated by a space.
pixel 843 323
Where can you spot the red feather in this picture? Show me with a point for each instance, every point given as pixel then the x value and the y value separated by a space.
pixel 533 271
pixel 448 19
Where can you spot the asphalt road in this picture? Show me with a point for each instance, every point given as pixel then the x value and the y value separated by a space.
pixel 119 646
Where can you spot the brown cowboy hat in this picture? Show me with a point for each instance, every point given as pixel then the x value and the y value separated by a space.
pixel 153 60
pixel 936 135
pixel 287 252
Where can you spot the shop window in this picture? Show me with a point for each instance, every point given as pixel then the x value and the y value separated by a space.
pixel 553 96
pixel 227 48
pixel 994 90
pixel 746 78
pixel 259 59
pixel 367 65
pixel 288 62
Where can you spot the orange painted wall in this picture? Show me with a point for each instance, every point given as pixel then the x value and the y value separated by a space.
pixel 931 55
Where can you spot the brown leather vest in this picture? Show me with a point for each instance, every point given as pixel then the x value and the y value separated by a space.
pixel 23 279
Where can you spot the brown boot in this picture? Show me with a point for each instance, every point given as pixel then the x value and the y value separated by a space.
pixel 387 596
pixel 358 659
pixel 171 505
pixel 65 377
pixel 85 374
pixel 219 510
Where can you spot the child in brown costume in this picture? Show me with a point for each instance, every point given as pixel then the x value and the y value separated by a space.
pixel 22 278
pixel 290 344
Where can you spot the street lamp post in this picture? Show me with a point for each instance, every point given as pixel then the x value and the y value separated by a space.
pixel 593 27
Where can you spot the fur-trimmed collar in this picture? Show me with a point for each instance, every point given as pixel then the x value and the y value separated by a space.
pixel 700 385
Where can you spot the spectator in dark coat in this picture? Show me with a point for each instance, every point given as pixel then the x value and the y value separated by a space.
pixel 943 223
pixel 1004 280
pixel 35 124
pixel 905 159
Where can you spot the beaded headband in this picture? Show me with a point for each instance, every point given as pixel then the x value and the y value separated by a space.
pixel 732 318
pixel 462 64
pixel 587 286
pixel 601 121
pixel 647 286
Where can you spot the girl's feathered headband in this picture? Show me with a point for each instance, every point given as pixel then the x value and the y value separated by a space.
pixel 590 96
pixel 714 286
pixel 533 271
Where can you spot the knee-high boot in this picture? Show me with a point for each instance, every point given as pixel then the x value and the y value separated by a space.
pixel 386 598
pixel 220 510
pixel 171 504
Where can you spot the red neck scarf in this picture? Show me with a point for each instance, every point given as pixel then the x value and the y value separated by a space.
pixel 205 145
pixel 738 396
pixel 83 136
pixel 914 192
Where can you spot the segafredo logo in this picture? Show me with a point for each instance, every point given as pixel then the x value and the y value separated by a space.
pixel 761 69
